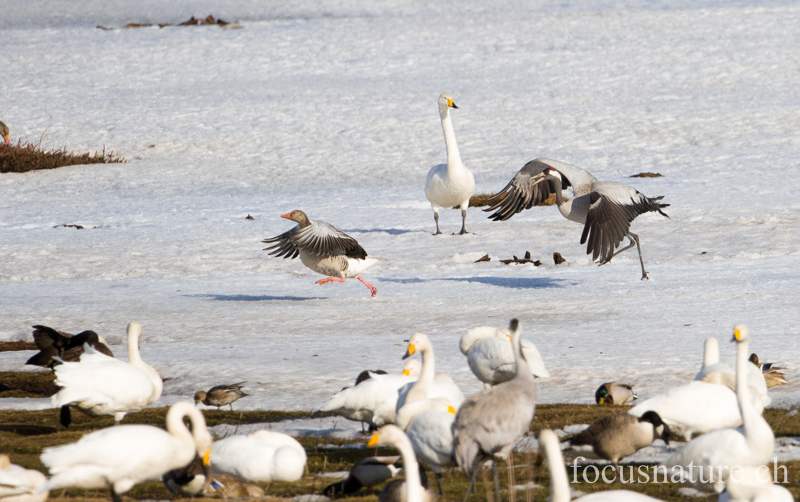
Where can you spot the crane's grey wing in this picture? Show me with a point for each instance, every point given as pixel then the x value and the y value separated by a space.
pixel 613 206
pixel 523 191
pixel 319 238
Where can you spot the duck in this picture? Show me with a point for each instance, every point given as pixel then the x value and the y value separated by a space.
pixel 721 373
pixel 426 386
pixel 366 473
pixel 118 458
pixel 323 248
pixel 749 446
pixel 616 436
pixel 391 435
pixel 56 346
pixel 491 357
pixel 428 424
pixel 559 483
pixel 452 184
pixel 262 456
pixel 615 393
pixel 18 484
pixel 490 422
pixel 4 132
pixel 101 385
pixel 606 209
pixel 772 377
pixel 220 395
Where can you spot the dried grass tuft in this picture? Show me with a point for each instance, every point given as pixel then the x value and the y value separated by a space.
pixel 24 157
pixel 647 175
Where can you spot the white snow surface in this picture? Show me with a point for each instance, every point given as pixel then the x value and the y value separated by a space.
pixel 330 107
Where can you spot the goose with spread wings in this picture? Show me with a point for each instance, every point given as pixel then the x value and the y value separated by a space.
pixel 323 248
pixel 605 208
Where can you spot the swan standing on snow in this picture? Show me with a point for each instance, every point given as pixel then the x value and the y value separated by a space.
pixel 490 422
pixel 604 208
pixel 491 357
pixel 716 452
pixel 426 387
pixel 614 393
pixel 323 248
pixel 101 385
pixel 559 484
pixel 391 435
pixel 262 456
pixel 120 457
pixel 452 184
pixel 18 484
pixel 220 395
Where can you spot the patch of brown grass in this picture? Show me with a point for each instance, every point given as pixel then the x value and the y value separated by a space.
pixel 27 384
pixel 647 175
pixel 24 157
pixel 19 345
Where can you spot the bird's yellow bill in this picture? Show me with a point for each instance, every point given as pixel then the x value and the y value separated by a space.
pixel 601 401
pixel 207 457
pixel 406 372
pixel 452 410
pixel 411 349
pixel 373 441
pixel 737 333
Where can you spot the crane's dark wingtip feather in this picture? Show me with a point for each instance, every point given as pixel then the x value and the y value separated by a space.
pixel 513 325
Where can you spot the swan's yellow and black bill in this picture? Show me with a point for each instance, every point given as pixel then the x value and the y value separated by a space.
pixel 410 351
pixel 451 104
pixel 406 372
pixel 373 441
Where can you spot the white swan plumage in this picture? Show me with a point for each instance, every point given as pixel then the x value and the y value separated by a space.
pixel 430 431
pixel 120 457
pixel 490 355
pixel 18 484
pixel 722 373
pixel 452 184
pixel 262 456
pixel 391 435
pixel 749 446
pixel 102 385
pixel 426 387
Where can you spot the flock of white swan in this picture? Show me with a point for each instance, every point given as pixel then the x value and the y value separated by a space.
pixel 421 413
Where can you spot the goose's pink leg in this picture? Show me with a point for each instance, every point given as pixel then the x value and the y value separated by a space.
pixel 372 288
pixel 329 279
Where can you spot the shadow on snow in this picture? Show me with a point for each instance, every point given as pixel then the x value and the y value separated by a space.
pixel 262 298
pixel 503 282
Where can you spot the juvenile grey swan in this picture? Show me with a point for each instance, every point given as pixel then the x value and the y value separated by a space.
pixel 490 422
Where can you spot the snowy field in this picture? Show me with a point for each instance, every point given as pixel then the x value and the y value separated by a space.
pixel 330 107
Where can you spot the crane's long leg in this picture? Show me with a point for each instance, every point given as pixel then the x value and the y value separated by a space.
pixel 471 486
pixel 639 248
pixel 496 479
pixel 438 476
pixel 436 219
pixel 512 492
pixel 372 288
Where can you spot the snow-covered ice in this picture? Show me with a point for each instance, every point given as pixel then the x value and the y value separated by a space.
pixel 330 107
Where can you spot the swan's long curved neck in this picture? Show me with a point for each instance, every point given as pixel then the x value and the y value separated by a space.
pixel 711 352
pixel 755 427
pixel 133 344
pixel 523 369
pixel 453 157
pixel 177 428
pixel 423 384
pixel 414 488
pixel 559 484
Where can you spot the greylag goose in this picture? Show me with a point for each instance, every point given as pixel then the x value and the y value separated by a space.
pixel 64 346
pixel 452 184
pixel 221 395
pixel 323 248
pixel 604 208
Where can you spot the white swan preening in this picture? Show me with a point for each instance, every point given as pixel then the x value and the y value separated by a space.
pixel 323 248
pixel 120 457
pixel 716 452
pixel 614 393
pixel 452 184
pixel 604 208
pixel 18 484
pixel 426 386
pixel 490 422
pixel 221 395
pixel 262 456
pixel 56 347
pixel 391 435
pixel 559 484
pixel 491 357
pixel 101 385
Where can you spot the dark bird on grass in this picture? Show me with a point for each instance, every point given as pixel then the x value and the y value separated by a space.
pixel 614 393
pixel 366 473
pixel 489 423
pixel 56 347
pixel 220 395
pixel 323 248
pixel 604 208
pixel 616 436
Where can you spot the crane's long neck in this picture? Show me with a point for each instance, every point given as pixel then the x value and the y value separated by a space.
pixel 523 369
pixel 559 484
pixel 422 387
pixel 453 157
pixel 414 488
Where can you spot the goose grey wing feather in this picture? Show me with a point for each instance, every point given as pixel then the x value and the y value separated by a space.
pixel 613 206
pixel 318 238
pixel 522 193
